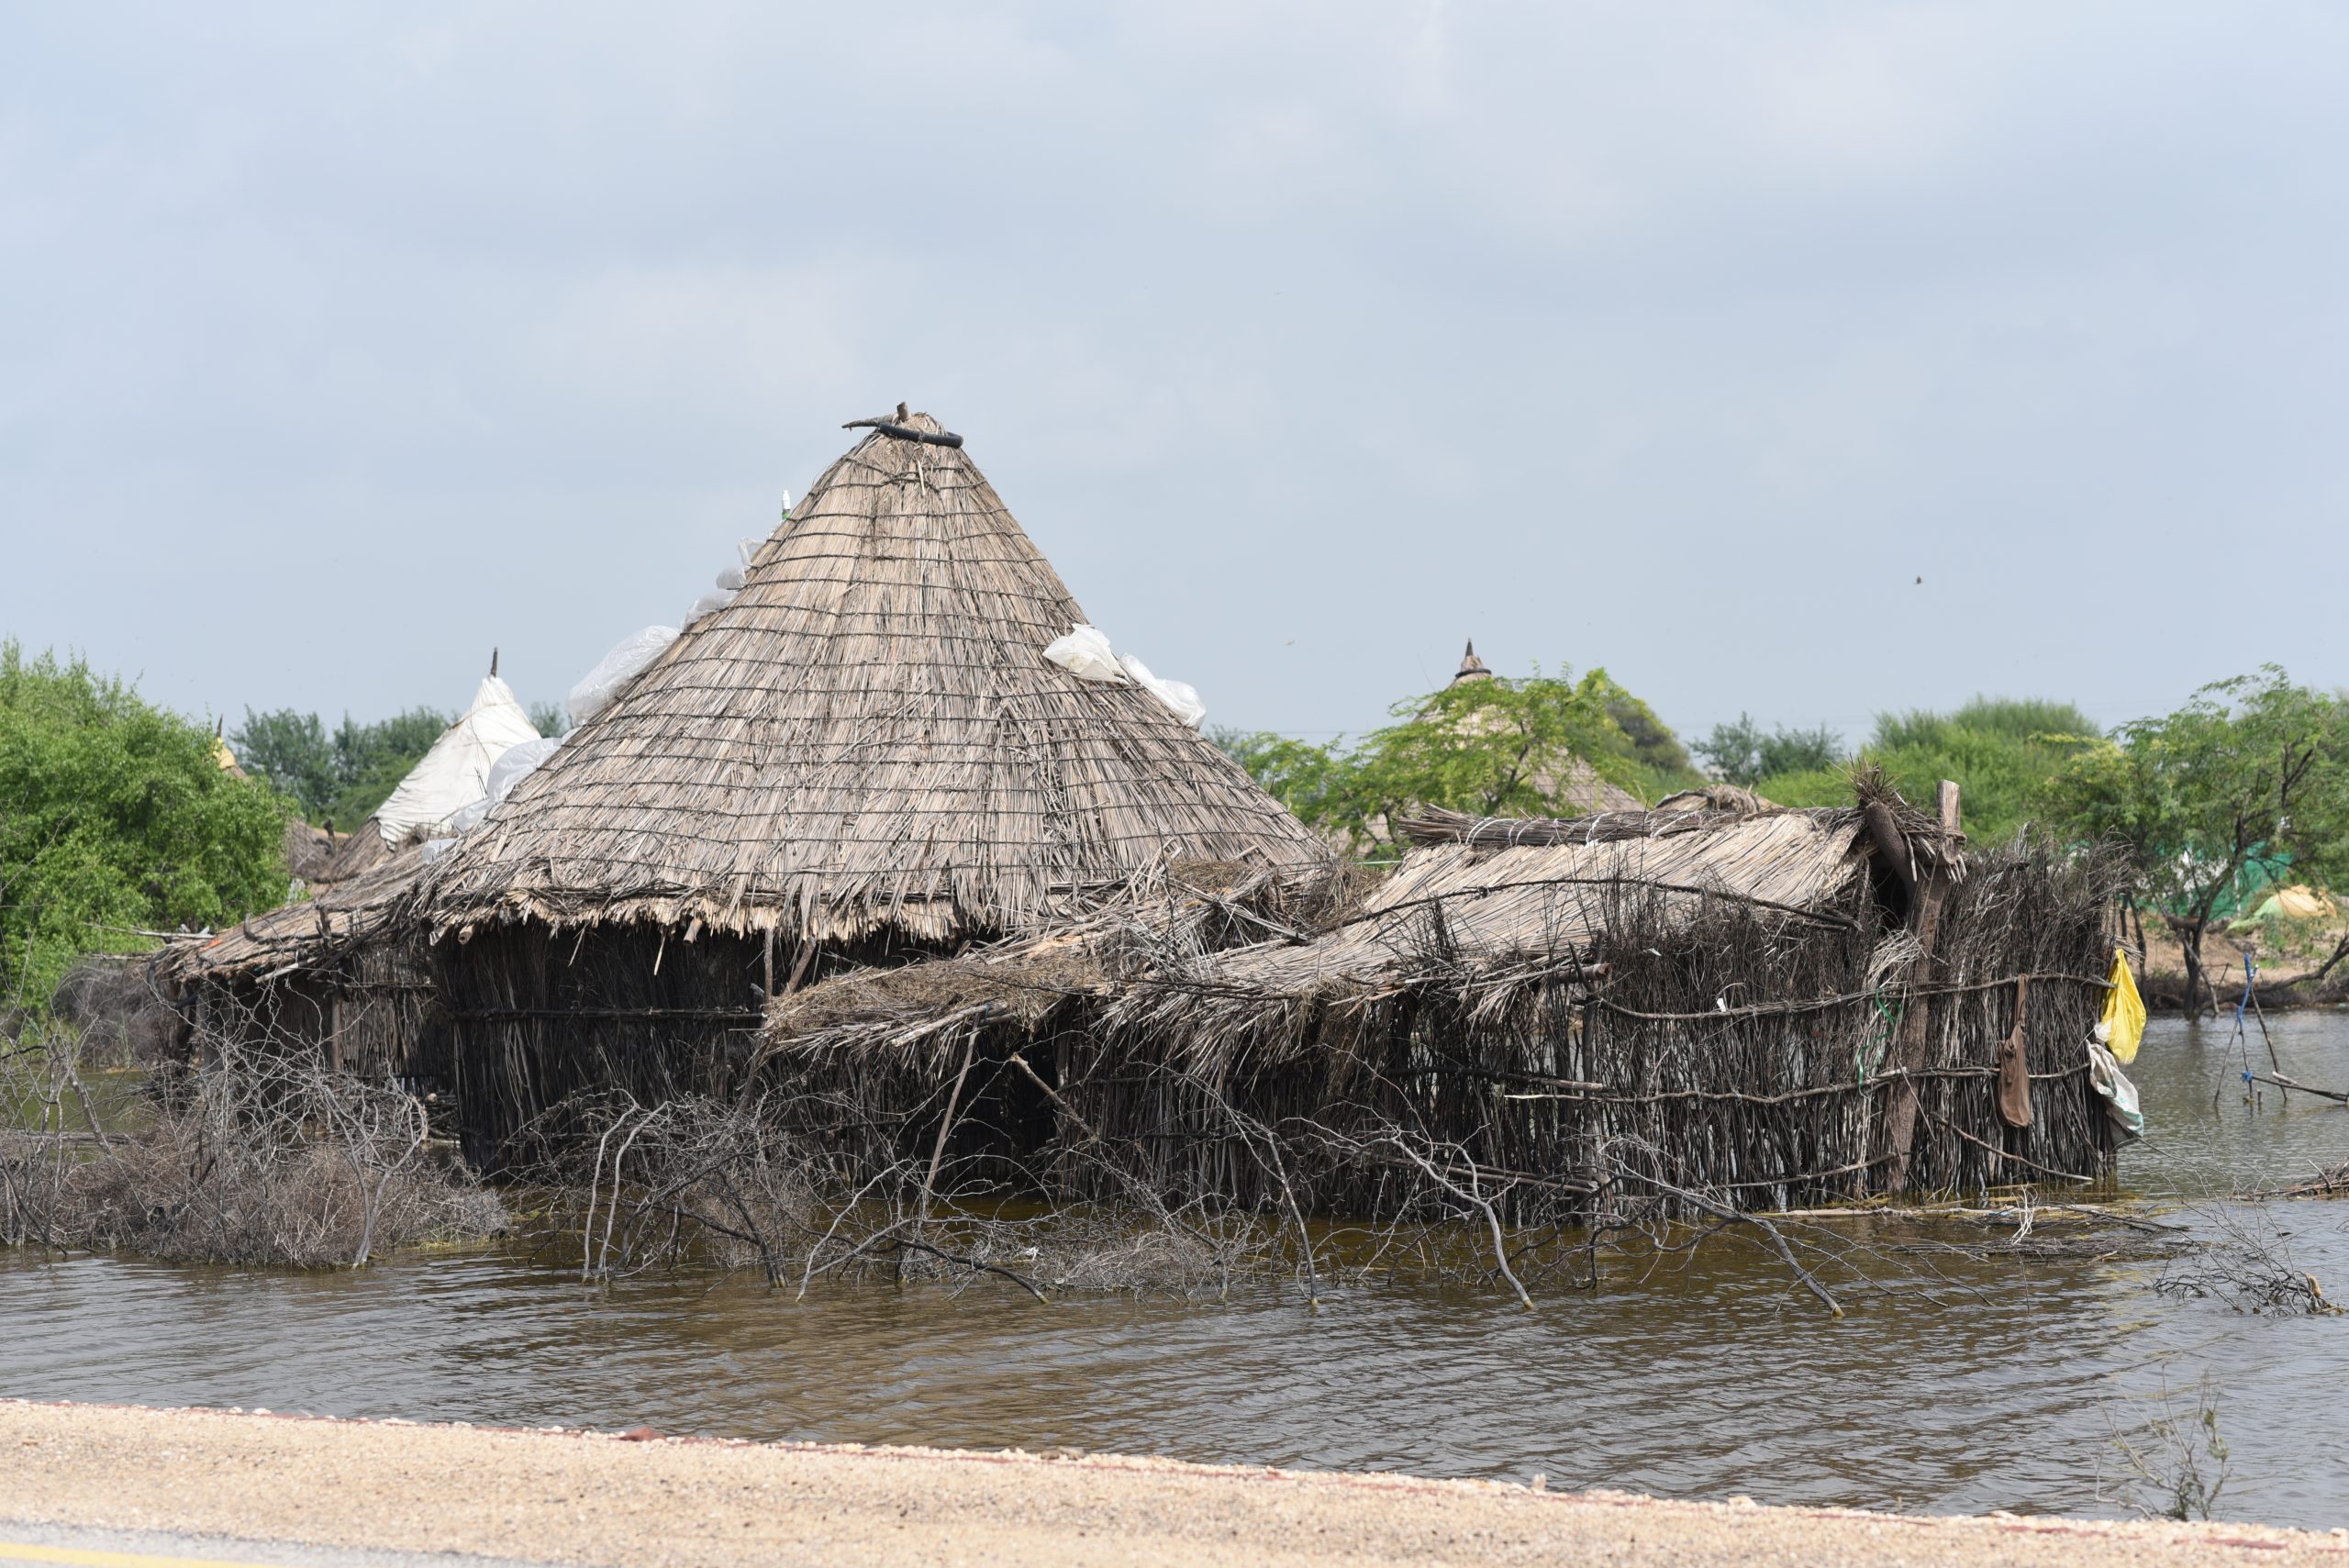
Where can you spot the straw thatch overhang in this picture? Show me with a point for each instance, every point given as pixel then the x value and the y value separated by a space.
pixel 867 742
pixel 307 935
pixel 1023 984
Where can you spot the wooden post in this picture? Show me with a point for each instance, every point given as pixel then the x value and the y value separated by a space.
pixel 1909 1044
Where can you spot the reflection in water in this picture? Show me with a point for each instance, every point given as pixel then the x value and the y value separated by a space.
pixel 1702 1384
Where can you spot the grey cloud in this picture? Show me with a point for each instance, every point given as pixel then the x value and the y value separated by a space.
pixel 1307 339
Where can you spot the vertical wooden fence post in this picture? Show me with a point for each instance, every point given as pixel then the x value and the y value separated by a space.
pixel 1910 1042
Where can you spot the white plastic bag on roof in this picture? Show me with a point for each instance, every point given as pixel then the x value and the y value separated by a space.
pixel 518 764
pixel 465 818
pixel 736 575
pixel 1085 653
pixel 1183 700
pixel 616 670
pixel 716 599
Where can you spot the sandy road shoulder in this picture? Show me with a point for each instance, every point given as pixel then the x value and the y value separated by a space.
pixel 596 1498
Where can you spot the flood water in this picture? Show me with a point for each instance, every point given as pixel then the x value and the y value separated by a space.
pixel 1711 1383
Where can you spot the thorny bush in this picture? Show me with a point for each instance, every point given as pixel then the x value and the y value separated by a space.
pixel 253 1156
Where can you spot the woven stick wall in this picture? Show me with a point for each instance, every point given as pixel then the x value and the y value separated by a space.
pixel 867 740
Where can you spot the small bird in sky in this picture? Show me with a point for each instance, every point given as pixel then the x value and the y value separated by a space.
pixel 1920 580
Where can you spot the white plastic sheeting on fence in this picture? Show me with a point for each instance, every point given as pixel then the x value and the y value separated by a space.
pixel 616 670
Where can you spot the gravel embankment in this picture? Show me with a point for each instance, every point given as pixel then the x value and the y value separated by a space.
pixel 601 1498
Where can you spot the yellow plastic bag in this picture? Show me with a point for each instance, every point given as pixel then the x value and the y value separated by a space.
pixel 2124 1012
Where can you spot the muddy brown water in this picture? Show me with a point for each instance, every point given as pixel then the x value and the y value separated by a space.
pixel 1708 1382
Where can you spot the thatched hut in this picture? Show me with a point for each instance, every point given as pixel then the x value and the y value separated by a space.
pixel 863 757
pixel 1769 1008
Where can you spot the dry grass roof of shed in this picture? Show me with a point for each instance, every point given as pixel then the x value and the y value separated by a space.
pixel 302 935
pixel 1491 895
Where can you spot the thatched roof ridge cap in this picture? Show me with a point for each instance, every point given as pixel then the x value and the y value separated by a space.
pixel 1435 825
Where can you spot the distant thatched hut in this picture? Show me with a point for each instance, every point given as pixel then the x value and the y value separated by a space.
pixel 309 852
pixel 863 756
pixel 1768 1006
pixel 1577 787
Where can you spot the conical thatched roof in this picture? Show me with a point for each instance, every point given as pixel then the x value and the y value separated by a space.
pixel 868 739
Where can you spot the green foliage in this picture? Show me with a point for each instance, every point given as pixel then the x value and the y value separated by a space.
pixel 1654 747
pixel 115 814
pixel 2004 753
pixel 1316 783
pixel 291 752
pixel 1812 786
pixel 1494 747
pixel 549 717
pixel 2012 718
pixel 1742 754
pixel 343 778
pixel 2253 771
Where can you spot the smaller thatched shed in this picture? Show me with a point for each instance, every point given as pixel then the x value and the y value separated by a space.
pixel 328 973
pixel 310 851
pixel 1771 1006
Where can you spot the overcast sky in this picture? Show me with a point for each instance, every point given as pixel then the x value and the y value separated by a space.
pixel 340 343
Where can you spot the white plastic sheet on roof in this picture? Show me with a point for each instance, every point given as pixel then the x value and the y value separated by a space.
pixel 1084 652
pixel 455 773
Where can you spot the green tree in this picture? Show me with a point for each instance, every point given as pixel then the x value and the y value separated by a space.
pixel 2004 753
pixel 2253 771
pixel 342 777
pixel 1741 753
pixel 1492 746
pixel 115 817
pixel 1661 756
pixel 291 750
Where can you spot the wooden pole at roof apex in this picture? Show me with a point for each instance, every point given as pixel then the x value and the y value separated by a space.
pixel 493 660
